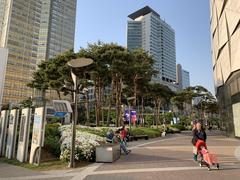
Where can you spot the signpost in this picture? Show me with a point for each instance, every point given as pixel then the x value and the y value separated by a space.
pixel 37 135
pixel 3 131
pixel 22 151
pixel 12 133
pixel 62 109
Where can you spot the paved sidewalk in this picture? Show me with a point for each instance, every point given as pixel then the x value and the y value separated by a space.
pixel 172 159
pixel 161 158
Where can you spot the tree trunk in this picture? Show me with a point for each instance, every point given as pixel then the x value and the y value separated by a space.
pixel 155 113
pixel 110 100
pixel 109 109
pixel 59 94
pixel 135 91
pixel 118 99
pixel 142 111
pixel 87 110
pixel 158 112
pixel 96 93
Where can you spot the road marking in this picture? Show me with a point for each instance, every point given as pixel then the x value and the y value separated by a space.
pixel 145 170
pixel 88 171
pixel 152 142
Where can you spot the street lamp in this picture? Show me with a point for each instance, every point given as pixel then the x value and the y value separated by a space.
pixel 76 66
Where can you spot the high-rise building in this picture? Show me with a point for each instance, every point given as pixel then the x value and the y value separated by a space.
pixel 183 77
pixel 57 28
pixel 3 63
pixel 179 75
pixel 148 31
pixel 57 31
pixel 19 29
pixel 225 34
pixel 33 31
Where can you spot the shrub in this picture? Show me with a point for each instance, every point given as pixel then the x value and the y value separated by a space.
pixel 52 139
pixel 151 132
pixel 178 126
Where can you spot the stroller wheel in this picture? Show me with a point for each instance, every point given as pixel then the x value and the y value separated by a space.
pixel 218 167
pixel 209 169
pixel 200 164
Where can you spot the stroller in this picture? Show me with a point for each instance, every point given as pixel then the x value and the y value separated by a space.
pixel 207 159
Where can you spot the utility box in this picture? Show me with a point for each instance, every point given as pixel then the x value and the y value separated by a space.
pixel 107 153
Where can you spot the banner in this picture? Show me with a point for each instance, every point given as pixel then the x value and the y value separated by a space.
pixel 133 116
pixel 12 134
pixel 22 151
pixel 37 134
pixel 236 118
pixel 3 131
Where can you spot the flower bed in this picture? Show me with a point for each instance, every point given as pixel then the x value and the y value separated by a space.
pixel 85 144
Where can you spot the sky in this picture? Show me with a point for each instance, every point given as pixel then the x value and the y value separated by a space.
pixel 106 20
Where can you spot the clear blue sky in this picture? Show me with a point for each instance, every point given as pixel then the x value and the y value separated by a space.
pixel 106 20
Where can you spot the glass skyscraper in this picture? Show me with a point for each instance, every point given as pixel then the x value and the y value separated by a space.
pixel 57 27
pixel 20 26
pixel 33 31
pixel 148 31
pixel 183 77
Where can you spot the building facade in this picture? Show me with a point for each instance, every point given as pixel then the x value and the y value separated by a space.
pixel 225 34
pixel 179 79
pixel 57 28
pixel 3 63
pixel 148 31
pixel 33 31
pixel 20 26
pixel 183 77
pixel 57 32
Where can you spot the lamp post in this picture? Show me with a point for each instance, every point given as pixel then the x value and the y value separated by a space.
pixel 76 66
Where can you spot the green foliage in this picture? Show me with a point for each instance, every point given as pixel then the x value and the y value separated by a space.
pixel 54 120
pixel 149 120
pixel 168 116
pixel 185 120
pixel 178 126
pixel 54 74
pixel 151 132
pixel 54 164
pixel 172 130
pixel 52 139
pixel 97 131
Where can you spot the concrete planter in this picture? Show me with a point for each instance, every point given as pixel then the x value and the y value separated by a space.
pixel 107 153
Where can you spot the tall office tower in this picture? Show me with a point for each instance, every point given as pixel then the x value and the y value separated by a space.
pixel 183 77
pixel 57 28
pixel 57 31
pixel 3 63
pixel 179 76
pixel 33 31
pixel 148 31
pixel 225 34
pixel 20 23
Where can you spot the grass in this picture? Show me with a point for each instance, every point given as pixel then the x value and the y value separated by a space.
pixel 44 166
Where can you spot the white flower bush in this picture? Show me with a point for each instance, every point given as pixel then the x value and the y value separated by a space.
pixel 85 144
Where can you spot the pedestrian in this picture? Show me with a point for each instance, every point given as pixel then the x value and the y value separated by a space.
pixel 110 136
pixel 123 134
pixel 198 134
pixel 118 139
